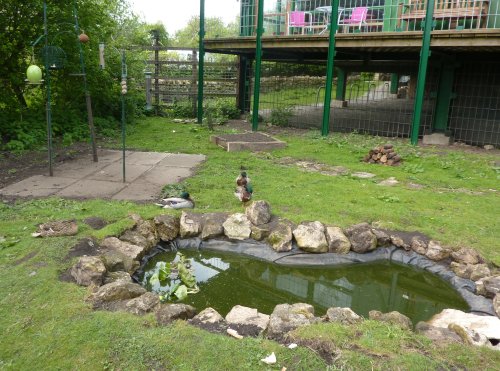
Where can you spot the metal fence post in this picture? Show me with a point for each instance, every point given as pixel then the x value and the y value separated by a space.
pixel 258 63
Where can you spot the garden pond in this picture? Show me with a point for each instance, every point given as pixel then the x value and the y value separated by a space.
pixel 221 280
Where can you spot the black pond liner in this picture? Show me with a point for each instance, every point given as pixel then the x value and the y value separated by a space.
pixel 296 257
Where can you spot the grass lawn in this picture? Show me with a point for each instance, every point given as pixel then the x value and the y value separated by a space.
pixel 47 324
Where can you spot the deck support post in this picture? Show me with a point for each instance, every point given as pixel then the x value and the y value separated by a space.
pixel 394 83
pixel 201 63
pixel 329 68
pixel 242 100
pixel 444 96
pixel 422 72
pixel 258 63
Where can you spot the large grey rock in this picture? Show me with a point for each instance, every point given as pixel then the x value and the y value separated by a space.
pixel 167 313
pixel 115 291
pixel 286 317
pixel 260 232
pixel 488 326
pixel 88 270
pixel 346 316
pixel 466 255
pixel 479 271
pixel 147 229
pixel 400 242
pixel 246 317
pixel 436 252
pixel 208 316
pixel 189 225
pixel 135 238
pixel 211 229
pixel 117 276
pixel 362 238
pixel 393 317
pixel 280 238
pixel 310 237
pixel 167 227
pixel 419 245
pixel 491 286
pixel 438 334
pixel 383 239
pixel 143 304
pixel 134 252
pixel 258 212
pixel 469 336
pixel 337 240
pixel 115 261
pixel 237 227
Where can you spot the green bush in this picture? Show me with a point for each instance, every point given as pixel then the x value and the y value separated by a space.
pixel 281 116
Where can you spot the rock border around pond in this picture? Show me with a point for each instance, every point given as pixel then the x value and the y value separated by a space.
pixel 258 233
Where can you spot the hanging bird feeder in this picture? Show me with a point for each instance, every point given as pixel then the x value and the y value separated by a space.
pixel 54 56
pixel 34 74
pixel 83 38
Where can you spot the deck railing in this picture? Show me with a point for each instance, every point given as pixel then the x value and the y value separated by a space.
pixel 312 17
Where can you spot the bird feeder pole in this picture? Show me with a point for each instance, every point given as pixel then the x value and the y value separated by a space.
pixel 47 79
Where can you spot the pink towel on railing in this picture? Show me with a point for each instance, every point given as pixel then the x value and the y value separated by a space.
pixel 297 18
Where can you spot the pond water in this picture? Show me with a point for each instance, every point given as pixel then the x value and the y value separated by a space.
pixel 226 279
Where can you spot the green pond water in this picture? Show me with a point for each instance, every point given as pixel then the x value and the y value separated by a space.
pixel 226 280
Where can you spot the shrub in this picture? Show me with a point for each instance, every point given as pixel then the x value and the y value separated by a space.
pixel 281 116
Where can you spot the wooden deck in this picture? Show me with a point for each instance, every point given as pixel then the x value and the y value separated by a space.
pixel 387 45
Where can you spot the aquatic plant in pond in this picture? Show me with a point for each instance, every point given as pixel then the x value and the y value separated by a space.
pixel 173 280
pixel 226 280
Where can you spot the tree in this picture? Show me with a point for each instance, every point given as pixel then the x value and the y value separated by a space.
pixel 188 37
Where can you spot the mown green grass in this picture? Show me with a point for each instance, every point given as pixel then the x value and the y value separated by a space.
pixel 47 324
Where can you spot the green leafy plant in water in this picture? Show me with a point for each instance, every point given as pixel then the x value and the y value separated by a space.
pixel 177 277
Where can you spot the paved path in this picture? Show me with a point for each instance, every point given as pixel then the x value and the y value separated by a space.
pixel 146 173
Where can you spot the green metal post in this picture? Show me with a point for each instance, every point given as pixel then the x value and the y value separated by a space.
pixel 422 72
pixel 124 91
pixel 329 68
pixel 90 117
pixel 201 64
pixel 444 96
pixel 258 63
pixel 47 80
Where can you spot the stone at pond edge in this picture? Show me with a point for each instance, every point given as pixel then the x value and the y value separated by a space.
pixel 115 261
pixel 117 276
pixel 345 316
pixel 399 242
pixel 436 252
pixel 237 227
pixel 419 245
pixel 167 226
pixel 466 255
pixel 437 334
pixel 143 304
pixel 208 316
pixel 211 229
pixel 337 240
pixel 147 229
pixel 286 317
pixel 479 271
pixel 245 317
pixel 189 226
pixel 310 237
pixel 258 212
pixel 393 317
pixel 135 238
pixel 280 238
pixel 167 313
pixel 361 237
pixel 491 286
pixel 89 270
pixel 383 239
pixel 488 326
pixel 132 251
pixel 115 291
pixel 496 304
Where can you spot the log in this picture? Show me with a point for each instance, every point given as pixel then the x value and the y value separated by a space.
pixel 397 158
pixel 389 162
pixel 388 146
pixel 383 159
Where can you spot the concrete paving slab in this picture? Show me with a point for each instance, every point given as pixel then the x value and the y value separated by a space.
pixel 181 160
pixel 139 192
pixel 146 173
pixel 37 186
pixel 114 172
pixel 145 158
pixel 87 188
pixel 164 175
